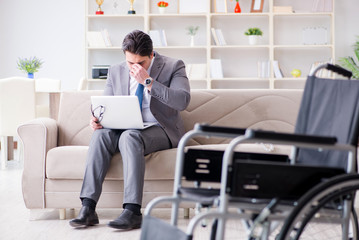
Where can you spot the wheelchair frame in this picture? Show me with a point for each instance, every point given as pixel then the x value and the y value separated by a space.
pixel 241 136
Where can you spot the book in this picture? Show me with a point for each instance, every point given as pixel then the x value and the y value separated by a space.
pixel 158 37
pixel 215 37
pixel 328 6
pixel 276 69
pixel 163 37
pixel 322 6
pixel 95 39
pixel 106 38
pixel 323 73
pixel 263 69
pixel 216 68
pixel 196 71
pixel 315 5
pixel 283 9
pixel 220 37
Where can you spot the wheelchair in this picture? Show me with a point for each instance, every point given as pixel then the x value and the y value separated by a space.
pixel 301 196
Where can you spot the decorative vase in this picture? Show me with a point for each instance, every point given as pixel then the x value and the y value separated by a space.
pixel 192 41
pixel 162 10
pixel 30 75
pixel 253 39
pixel 237 9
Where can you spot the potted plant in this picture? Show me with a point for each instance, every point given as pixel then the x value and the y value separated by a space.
pixel 192 31
pixel 253 35
pixel 30 66
pixel 162 6
pixel 349 63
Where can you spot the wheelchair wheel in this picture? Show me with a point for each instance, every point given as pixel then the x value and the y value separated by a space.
pixel 325 212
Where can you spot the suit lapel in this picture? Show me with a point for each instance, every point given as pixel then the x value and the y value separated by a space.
pixel 157 66
pixel 125 80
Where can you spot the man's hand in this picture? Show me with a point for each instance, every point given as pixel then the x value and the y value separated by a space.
pixel 94 124
pixel 139 73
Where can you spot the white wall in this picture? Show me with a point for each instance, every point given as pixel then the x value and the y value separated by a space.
pixel 49 29
pixel 346 27
pixel 54 31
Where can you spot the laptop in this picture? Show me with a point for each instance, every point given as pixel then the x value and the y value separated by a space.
pixel 119 112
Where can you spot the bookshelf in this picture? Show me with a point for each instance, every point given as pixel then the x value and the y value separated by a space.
pixel 282 39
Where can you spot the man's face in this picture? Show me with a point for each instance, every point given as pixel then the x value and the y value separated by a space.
pixel 144 61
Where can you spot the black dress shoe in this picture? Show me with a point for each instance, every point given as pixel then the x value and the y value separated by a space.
pixel 86 217
pixel 127 220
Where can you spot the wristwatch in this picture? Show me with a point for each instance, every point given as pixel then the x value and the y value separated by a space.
pixel 148 82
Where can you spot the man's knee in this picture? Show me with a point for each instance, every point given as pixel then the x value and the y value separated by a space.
pixel 102 134
pixel 105 137
pixel 130 136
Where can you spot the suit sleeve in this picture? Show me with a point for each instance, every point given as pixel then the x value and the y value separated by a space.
pixel 174 91
pixel 108 91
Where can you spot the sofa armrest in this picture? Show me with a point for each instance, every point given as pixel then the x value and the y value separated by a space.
pixel 38 137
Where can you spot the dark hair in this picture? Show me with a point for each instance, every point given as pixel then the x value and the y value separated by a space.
pixel 138 42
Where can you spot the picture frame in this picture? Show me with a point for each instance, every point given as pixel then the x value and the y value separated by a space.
pixel 257 6
pixel 220 6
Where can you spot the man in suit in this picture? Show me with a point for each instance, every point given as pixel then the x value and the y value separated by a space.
pixel 165 91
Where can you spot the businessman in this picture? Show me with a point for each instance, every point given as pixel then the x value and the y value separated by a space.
pixel 162 86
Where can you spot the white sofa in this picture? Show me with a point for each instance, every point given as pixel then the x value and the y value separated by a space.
pixel 55 151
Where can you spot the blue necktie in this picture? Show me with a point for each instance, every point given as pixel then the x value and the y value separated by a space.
pixel 139 94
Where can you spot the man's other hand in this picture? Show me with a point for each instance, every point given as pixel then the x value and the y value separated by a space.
pixel 94 124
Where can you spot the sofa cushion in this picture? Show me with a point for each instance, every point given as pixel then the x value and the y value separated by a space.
pixel 59 159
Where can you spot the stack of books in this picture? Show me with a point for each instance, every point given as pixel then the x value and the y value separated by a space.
pixel 158 37
pixel 99 39
pixel 218 37
pixel 216 68
pixel 323 73
pixel 322 6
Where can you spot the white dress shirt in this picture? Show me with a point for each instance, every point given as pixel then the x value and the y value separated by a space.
pixel 146 112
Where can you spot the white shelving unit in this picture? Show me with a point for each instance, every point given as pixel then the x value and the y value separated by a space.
pixel 282 39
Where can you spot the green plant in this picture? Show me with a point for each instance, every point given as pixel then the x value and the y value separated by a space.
pixel 30 65
pixel 349 63
pixel 192 30
pixel 253 31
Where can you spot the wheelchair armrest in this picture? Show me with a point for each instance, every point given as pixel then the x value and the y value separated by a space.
pixel 219 129
pixel 289 137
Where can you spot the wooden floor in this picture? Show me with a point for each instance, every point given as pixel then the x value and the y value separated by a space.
pixel 16 223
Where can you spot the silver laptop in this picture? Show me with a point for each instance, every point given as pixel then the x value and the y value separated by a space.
pixel 119 112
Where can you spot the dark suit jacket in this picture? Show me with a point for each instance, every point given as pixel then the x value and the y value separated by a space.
pixel 170 92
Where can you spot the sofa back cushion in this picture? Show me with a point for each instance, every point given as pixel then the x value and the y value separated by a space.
pixel 274 110
pixel 74 118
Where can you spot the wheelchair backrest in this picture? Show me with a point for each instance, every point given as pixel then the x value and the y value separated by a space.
pixel 329 107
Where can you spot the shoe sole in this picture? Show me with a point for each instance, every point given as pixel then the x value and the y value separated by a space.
pixel 124 228
pixel 78 225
